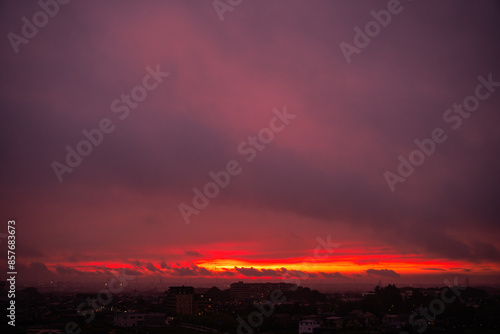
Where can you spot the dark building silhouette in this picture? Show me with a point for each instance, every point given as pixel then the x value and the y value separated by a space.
pixel 257 291
pixel 202 304
pixel 180 300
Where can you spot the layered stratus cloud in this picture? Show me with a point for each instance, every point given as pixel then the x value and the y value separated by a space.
pixel 321 174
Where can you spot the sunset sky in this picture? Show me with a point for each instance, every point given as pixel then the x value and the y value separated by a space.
pixel 306 136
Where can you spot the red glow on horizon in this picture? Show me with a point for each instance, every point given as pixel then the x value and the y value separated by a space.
pixel 237 268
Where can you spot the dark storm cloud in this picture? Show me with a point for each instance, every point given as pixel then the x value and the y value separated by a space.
pixel 35 269
pixel 326 166
pixel 26 251
pixel 78 257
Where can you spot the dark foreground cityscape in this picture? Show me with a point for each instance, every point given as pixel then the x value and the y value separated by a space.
pixel 253 308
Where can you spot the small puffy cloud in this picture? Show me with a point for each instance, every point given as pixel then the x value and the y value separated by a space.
pixel 164 265
pixel 190 271
pixel 251 272
pixel 270 272
pixel 64 271
pixel 383 272
pixel 132 272
pixel 136 263
pixel 227 272
pixel 149 266
pixel 281 272
pixel 193 253
pixel 332 275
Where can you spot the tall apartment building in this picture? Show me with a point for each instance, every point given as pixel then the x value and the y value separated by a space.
pixel 179 300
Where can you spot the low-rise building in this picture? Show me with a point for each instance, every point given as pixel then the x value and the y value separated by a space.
pixel 334 322
pixel 308 325
pixel 133 320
